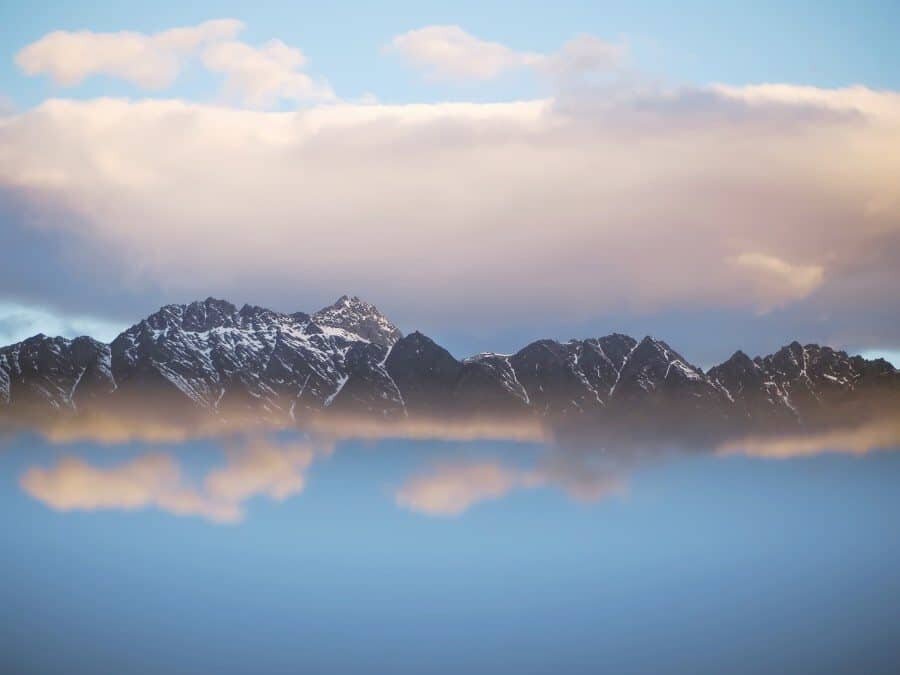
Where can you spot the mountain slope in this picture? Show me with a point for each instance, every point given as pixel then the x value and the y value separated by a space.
pixel 54 373
pixel 803 383
pixel 213 358
pixel 253 359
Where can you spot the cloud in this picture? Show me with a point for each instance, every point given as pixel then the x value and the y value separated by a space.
pixel 16 326
pixel 580 56
pixel 884 105
pixel 777 282
pixel 148 61
pixel 448 52
pixel 256 76
pixel 261 76
pixel 156 480
pixel 659 199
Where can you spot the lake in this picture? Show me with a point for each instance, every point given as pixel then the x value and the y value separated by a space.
pixel 281 553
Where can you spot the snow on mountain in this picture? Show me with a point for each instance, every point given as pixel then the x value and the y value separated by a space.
pixel 359 317
pixel 488 371
pixel 211 356
pixel 223 358
pixel 54 372
pixel 800 381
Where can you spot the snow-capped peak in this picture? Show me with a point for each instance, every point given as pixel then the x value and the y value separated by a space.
pixel 360 317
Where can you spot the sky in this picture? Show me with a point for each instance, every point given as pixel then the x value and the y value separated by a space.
pixel 721 177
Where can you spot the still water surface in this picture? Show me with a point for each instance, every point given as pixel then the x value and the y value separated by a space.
pixel 281 555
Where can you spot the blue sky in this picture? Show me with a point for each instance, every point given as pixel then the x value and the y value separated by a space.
pixel 827 44
pixel 90 258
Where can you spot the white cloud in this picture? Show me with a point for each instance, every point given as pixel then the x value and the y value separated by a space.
pixel 450 53
pixel 882 105
pixel 256 76
pixel 148 61
pixel 777 282
pixel 583 54
pixel 261 76
pixel 665 199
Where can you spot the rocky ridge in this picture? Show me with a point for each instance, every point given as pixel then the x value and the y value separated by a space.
pixel 348 358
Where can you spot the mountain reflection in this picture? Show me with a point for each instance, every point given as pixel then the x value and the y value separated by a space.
pixel 275 465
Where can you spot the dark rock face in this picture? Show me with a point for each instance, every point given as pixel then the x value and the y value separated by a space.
pixel 425 373
pixel 656 377
pixel 369 389
pixel 799 383
pixel 571 378
pixel 210 357
pixel 602 359
pixel 54 373
pixel 550 374
pixel 746 381
pixel 488 385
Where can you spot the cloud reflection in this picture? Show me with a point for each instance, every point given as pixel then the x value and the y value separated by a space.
pixel 873 436
pixel 451 489
pixel 152 480
pixel 157 480
pixel 585 469
pixel 263 468
pixel 127 425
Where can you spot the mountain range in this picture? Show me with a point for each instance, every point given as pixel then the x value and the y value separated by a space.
pixel 209 357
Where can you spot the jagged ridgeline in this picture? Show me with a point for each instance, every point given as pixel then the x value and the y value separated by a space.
pixel 214 359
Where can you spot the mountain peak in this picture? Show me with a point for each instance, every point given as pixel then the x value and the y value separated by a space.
pixel 741 358
pixel 360 317
pixel 199 315
pixel 650 347
pixel 736 371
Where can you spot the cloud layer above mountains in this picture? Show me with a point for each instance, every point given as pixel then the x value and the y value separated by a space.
pixel 604 196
